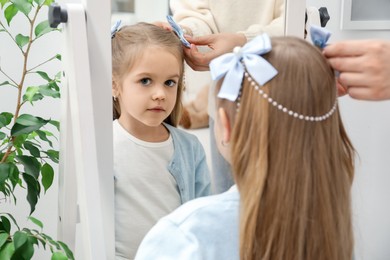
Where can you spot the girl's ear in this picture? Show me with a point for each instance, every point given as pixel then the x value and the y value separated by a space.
pixel 115 88
pixel 225 124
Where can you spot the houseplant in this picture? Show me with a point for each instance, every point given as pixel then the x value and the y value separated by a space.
pixel 27 155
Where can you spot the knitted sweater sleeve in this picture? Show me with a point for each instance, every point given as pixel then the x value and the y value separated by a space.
pixel 195 15
pixel 205 17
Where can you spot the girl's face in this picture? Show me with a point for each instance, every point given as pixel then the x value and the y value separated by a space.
pixel 148 92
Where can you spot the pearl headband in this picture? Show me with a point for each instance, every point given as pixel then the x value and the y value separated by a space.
pixel 248 62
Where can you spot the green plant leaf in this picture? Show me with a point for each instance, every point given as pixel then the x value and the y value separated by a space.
pixel 58 57
pixel 36 221
pixel 32 191
pixel 5 224
pixel 42 28
pixel 48 2
pixel 21 40
pixel 10 158
pixel 39 2
pixel 43 137
pixel 5 119
pixel 44 75
pixel 19 140
pixel 5 168
pixel 34 151
pixel 47 91
pixel 33 240
pixel 23 6
pixel 51 241
pixel 54 86
pixel 58 76
pixel 30 93
pixel 55 123
pixel 31 138
pixel 10 12
pixel 31 165
pixel 12 218
pixel 19 239
pixel 24 246
pixel 53 155
pixel 43 242
pixel 68 252
pixel 7 251
pixel 6 190
pixel 13 174
pixel 19 151
pixel 9 171
pixel 59 256
pixel 3 2
pixel 29 120
pixel 47 176
pixel 5 82
pixel 2 135
pixel 3 238
pixel 26 124
pixel 27 231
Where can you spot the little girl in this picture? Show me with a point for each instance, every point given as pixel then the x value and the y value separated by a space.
pixel 278 124
pixel 157 167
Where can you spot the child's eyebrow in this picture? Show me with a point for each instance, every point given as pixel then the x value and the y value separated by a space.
pixel 147 74
pixel 174 76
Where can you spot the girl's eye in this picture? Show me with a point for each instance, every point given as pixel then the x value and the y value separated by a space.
pixel 170 83
pixel 145 81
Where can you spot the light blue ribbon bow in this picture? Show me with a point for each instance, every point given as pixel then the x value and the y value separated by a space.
pixel 230 66
pixel 319 36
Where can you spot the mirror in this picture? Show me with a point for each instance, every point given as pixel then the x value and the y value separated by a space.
pixel 131 12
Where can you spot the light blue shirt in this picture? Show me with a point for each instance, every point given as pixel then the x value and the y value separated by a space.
pixel 204 228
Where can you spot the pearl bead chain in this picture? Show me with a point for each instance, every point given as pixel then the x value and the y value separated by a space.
pixel 282 108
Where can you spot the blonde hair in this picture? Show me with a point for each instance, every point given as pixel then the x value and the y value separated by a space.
pixel 294 176
pixel 128 45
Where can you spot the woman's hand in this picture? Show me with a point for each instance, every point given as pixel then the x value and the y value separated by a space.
pixel 218 44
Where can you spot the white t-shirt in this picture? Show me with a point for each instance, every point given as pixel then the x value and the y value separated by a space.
pixel 145 190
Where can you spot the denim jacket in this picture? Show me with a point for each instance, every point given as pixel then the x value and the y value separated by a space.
pixel 188 165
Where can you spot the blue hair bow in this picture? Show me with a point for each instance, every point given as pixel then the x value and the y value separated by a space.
pixel 230 66
pixel 319 36
pixel 115 28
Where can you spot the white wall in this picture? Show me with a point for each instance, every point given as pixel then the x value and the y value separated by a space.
pixel 368 125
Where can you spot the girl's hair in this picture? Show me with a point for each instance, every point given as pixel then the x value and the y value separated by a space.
pixel 128 45
pixel 294 176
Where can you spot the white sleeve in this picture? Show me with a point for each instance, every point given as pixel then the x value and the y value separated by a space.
pixel 274 28
pixel 166 241
pixel 194 14
pixel 197 16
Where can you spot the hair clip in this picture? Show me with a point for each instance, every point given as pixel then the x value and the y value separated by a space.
pixel 319 36
pixel 115 28
pixel 179 31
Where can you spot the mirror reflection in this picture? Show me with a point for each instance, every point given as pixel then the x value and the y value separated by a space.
pixel 165 155
pixel 122 6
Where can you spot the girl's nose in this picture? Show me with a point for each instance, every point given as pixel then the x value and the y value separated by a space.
pixel 159 93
